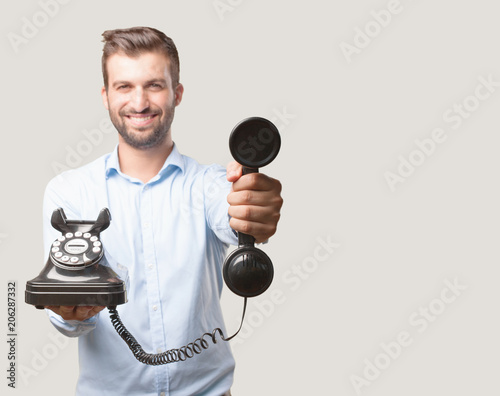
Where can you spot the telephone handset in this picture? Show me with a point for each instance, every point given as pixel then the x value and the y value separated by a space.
pixel 77 272
pixel 254 143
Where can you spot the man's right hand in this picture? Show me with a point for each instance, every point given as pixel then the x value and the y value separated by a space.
pixel 75 312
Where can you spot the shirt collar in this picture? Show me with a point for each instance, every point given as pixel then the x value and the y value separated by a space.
pixel 174 160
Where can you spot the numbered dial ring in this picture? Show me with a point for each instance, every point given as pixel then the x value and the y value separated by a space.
pixel 76 250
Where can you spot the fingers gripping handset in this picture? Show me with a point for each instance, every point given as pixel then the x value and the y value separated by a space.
pixel 248 271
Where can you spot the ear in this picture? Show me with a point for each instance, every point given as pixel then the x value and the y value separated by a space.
pixel 104 95
pixel 179 91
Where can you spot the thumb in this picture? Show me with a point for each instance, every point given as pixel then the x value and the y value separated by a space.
pixel 233 171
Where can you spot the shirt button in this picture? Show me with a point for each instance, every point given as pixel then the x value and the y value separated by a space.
pixel 162 394
pixel 159 350
pixel 146 225
pixel 155 307
pixel 150 266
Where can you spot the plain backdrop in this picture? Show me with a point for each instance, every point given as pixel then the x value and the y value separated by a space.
pixel 382 288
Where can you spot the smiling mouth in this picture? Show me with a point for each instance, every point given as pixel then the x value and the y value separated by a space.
pixel 141 119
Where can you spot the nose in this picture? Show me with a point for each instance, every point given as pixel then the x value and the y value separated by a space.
pixel 139 100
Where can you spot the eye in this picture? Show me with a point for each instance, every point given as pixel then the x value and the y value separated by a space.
pixel 155 86
pixel 122 87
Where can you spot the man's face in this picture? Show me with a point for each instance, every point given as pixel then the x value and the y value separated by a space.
pixel 140 98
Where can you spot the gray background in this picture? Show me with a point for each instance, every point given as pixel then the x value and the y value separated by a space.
pixel 346 125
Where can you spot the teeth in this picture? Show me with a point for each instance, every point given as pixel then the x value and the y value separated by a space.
pixel 141 119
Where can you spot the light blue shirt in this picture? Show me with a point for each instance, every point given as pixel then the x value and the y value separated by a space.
pixel 167 240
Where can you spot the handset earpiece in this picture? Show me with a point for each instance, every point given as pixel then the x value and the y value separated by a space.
pixel 253 143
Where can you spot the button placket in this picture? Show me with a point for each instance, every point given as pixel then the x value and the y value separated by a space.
pixel 151 275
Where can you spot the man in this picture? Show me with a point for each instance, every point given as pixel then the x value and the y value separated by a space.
pixel 172 220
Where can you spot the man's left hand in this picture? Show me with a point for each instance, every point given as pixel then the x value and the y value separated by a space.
pixel 254 203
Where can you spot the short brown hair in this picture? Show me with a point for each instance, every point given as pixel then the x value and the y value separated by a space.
pixel 136 41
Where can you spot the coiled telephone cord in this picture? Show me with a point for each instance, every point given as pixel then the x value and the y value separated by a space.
pixel 172 355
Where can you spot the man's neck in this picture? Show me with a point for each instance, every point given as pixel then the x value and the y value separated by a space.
pixel 143 164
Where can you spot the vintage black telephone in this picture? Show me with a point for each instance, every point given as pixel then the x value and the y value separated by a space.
pixel 77 272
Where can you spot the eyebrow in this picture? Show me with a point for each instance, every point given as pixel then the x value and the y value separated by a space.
pixel 154 80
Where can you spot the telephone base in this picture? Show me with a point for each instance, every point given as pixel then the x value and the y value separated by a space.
pixel 96 285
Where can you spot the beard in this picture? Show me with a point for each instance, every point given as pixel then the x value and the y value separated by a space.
pixel 148 136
